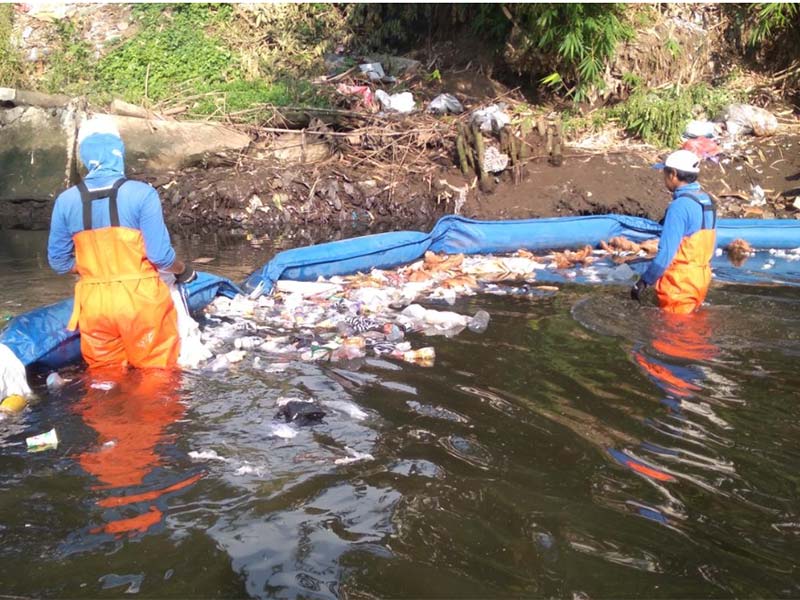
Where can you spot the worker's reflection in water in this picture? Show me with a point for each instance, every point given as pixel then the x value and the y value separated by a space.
pixel 132 412
pixel 684 337
pixel 682 343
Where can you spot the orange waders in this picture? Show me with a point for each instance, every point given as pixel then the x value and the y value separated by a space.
pixel 124 311
pixel 684 285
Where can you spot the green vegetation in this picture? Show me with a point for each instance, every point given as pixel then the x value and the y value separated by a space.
pixel 196 55
pixel 772 18
pixel 12 64
pixel 71 62
pixel 220 59
pixel 160 62
pixel 659 116
pixel 579 38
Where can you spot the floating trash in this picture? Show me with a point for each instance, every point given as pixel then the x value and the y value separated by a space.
pixel 43 441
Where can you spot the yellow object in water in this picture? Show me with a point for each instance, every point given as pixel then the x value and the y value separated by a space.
pixel 13 403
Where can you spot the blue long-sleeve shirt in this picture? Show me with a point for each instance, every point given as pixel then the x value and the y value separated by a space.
pixel 137 202
pixel 684 218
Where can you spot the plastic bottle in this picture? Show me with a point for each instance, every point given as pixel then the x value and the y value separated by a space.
pixel 353 347
pixel 55 382
pixel 393 332
pixel 422 355
pixel 247 343
pixel 479 322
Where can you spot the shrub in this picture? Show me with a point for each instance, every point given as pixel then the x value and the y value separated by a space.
pixel 12 64
pixel 162 60
pixel 70 67
pixel 659 116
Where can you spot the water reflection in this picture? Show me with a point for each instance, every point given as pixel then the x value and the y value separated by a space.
pixel 130 413
pixel 493 474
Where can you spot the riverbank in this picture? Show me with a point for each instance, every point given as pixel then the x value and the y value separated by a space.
pixel 260 198
pixel 328 154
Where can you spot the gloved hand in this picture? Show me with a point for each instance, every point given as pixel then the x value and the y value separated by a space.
pixel 637 289
pixel 188 275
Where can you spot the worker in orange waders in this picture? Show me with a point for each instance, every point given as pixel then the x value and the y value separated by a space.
pixel 681 271
pixel 111 232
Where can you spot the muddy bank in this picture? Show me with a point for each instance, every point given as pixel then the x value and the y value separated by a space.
pixel 624 182
pixel 329 196
pixel 268 198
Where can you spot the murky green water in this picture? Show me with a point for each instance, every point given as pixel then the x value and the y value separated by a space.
pixel 582 447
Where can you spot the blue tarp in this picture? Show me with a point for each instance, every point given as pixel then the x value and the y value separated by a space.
pixel 40 337
pixel 453 235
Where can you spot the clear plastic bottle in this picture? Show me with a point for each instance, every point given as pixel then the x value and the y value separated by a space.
pixel 393 332
pixel 247 343
pixel 55 382
pixel 419 356
pixel 479 322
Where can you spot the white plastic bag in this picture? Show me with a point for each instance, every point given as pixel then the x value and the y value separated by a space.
pixel 402 102
pixel 445 103
pixel 746 118
pixel 13 379
pixel 491 119
pixel 193 351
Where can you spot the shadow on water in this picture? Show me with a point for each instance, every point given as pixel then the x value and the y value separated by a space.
pixel 582 447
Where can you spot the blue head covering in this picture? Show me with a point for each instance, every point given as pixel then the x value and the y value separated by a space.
pixel 101 149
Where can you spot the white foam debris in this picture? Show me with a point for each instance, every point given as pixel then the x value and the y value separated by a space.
pixel 346 407
pixel 355 456
pixel 283 431
pixel 248 469
pixel 206 455
pixel 284 400
pixel 793 254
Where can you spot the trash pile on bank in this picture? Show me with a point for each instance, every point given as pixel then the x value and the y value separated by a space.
pixel 381 313
pixel 727 143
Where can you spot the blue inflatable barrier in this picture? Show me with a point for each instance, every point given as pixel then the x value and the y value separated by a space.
pixel 41 340
pixel 453 235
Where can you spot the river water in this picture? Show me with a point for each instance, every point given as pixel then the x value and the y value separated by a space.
pixel 582 447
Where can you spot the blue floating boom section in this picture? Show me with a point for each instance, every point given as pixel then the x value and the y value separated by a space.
pixel 453 235
pixel 41 340
pixel 781 234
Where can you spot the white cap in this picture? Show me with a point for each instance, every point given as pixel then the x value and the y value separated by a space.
pixel 681 160
pixel 97 124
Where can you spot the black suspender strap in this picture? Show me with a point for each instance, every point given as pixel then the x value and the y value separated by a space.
pixel 113 212
pixel 87 197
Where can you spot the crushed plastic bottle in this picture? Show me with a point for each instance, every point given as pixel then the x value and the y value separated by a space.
pixel 422 356
pixel 479 322
pixel 247 343
pixel 352 347
pixel 55 382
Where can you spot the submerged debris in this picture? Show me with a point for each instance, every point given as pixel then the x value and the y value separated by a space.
pixel 738 252
pixel 623 250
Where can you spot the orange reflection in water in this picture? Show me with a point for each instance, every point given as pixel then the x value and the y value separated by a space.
pixel 131 411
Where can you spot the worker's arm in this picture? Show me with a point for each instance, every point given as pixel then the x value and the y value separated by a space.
pixel 676 226
pixel 156 239
pixel 60 247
